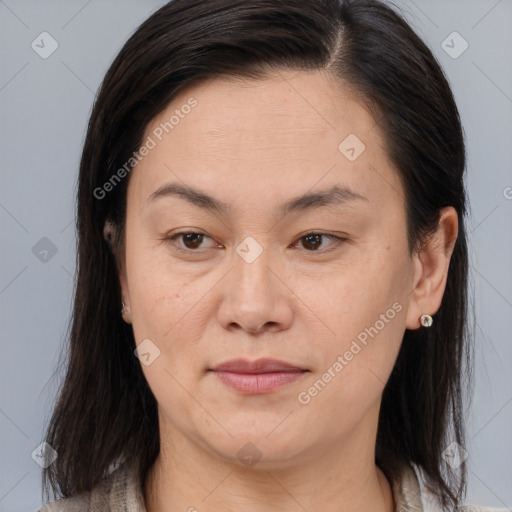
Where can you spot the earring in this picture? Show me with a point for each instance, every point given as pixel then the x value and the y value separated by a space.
pixel 426 320
pixel 125 313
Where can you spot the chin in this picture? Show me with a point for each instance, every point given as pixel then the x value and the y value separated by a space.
pixel 258 447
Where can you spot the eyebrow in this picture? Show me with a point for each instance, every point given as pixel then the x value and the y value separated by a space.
pixel 335 195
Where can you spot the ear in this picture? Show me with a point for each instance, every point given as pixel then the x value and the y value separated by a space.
pixel 431 269
pixel 110 235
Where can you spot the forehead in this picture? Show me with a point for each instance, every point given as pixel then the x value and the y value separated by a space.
pixel 279 135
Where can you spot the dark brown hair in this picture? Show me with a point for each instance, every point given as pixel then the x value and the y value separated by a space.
pixel 106 413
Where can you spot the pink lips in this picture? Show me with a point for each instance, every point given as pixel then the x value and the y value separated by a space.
pixel 257 377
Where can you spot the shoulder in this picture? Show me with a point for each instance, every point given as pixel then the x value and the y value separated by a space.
pixel 414 494
pixel 78 503
pixel 474 508
pixel 114 492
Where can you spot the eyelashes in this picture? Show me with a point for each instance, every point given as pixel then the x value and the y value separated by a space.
pixel 312 238
pixel 314 234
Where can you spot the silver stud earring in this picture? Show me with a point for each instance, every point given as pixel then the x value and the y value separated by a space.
pixel 123 307
pixel 426 320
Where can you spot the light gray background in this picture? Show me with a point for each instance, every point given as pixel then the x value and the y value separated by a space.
pixel 45 104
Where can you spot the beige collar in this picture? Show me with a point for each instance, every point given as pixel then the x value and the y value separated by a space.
pixel 125 489
pixel 407 491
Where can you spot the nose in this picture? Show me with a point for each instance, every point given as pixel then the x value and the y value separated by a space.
pixel 256 298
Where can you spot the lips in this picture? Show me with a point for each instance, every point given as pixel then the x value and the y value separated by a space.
pixel 258 366
pixel 257 377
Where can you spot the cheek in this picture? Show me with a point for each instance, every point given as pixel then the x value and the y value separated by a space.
pixel 358 363
pixel 153 286
pixel 168 310
pixel 172 309
pixel 354 296
pixel 365 312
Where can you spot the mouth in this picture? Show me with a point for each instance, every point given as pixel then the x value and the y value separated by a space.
pixel 257 377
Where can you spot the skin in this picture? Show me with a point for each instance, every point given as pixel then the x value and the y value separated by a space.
pixel 255 145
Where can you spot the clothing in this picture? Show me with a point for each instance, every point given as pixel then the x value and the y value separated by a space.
pixel 122 493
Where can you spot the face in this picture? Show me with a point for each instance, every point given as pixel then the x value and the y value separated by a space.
pixel 322 283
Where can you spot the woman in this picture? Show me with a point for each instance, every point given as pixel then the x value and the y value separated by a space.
pixel 273 191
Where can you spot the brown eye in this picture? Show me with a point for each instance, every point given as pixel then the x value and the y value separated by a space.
pixel 313 241
pixel 191 241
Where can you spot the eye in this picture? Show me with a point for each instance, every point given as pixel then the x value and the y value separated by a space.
pixel 313 241
pixel 191 239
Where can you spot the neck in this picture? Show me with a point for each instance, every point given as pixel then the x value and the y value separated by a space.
pixel 188 477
